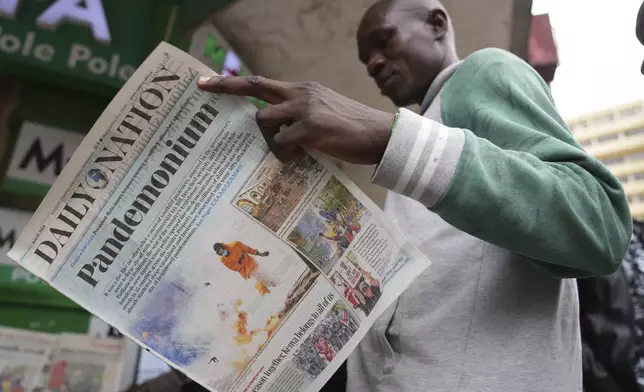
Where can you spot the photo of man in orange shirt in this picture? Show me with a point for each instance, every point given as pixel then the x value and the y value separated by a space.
pixel 240 258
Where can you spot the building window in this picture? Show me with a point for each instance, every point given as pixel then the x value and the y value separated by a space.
pixel 633 132
pixel 639 176
pixel 575 127
pixel 607 138
pixel 630 112
pixel 636 157
pixel 603 119
pixel 623 179
pixel 613 161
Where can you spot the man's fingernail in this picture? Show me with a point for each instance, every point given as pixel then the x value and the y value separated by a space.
pixel 206 79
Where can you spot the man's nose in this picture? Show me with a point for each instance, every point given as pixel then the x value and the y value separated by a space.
pixel 375 65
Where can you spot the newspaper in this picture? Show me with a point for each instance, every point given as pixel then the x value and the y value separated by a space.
pixel 24 359
pixel 33 361
pixel 175 224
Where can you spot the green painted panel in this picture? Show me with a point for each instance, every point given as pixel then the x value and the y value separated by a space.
pixel 69 53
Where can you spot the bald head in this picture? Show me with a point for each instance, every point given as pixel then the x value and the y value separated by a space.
pixel 412 7
pixel 405 44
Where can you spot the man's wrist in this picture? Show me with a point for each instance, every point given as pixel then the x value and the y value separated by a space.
pixel 420 159
pixel 381 134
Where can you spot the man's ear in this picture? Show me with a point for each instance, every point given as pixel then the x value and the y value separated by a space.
pixel 438 21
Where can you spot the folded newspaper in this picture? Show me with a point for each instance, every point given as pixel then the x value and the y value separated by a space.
pixel 175 224
pixel 32 361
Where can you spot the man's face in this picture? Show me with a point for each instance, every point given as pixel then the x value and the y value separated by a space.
pixel 221 251
pixel 366 291
pixel 401 51
pixel 321 345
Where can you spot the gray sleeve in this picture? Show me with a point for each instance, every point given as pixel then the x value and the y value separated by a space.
pixel 420 159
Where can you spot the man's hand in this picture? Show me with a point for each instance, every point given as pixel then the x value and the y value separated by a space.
pixel 311 116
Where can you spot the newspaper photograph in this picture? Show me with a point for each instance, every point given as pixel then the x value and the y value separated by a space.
pixel 174 223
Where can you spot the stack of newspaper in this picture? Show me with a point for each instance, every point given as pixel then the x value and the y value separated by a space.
pixel 31 361
pixel 174 223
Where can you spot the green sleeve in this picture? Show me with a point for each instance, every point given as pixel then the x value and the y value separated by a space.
pixel 517 179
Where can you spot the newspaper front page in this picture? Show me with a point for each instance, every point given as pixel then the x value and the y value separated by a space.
pixel 174 223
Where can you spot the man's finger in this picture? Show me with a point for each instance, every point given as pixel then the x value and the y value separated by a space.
pixel 276 116
pixel 269 133
pixel 291 137
pixel 271 91
pixel 282 153
pixel 285 156
pixel 289 141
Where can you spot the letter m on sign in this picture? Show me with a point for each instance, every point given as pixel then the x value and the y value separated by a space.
pixel 7 240
pixel 40 154
pixel 42 161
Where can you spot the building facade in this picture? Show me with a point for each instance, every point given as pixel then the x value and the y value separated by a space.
pixel 615 136
pixel 542 49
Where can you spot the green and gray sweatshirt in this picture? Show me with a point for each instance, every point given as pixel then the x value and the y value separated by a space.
pixel 491 186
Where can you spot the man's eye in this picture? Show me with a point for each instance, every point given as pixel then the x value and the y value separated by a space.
pixel 384 39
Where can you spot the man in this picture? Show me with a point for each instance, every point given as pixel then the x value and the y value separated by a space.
pixel 607 332
pixel 324 348
pixel 633 269
pixel 238 257
pixel 489 184
pixel 356 299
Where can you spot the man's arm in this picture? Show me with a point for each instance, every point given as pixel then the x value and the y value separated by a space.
pixel 247 249
pixel 509 172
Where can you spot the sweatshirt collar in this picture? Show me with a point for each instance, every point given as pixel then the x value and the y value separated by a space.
pixel 437 84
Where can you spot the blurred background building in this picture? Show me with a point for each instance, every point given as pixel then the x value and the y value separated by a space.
pixel 615 136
